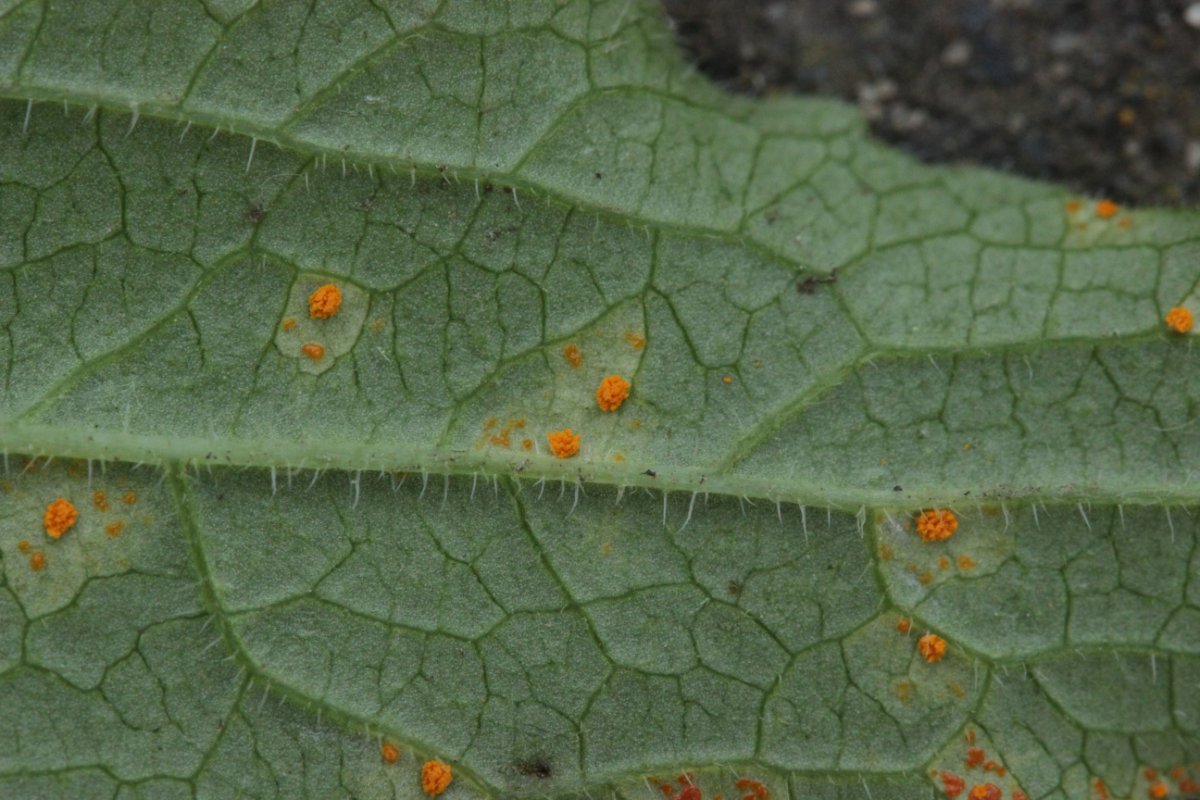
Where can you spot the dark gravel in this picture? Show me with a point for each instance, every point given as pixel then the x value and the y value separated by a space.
pixel 1100 95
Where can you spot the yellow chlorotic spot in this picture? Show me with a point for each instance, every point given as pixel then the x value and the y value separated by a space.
pixel 1107 209
pixel 564 443
pixel 100 500
pixel 313 350
pixel 325 301
pixel 378 325
pixel 727 379
pixel 37 561
pixel 932 647
pixel 390 753
pixel 288 324
pixel 572 355
pixel 618 457
pixel 943 563
pixel 114 528
pixel 1180 319
pixel 517 423
pixel 60 516
pixel 937 524
pixel 636 341
pixel 612 392
pixel 925 578
pixel 129 498
pixel 489 423
pixel 435 777
pixel 966 562
pixel 502 439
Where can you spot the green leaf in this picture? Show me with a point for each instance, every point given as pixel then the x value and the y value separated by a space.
pixel 281 563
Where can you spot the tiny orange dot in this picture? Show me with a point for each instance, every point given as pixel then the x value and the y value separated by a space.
pixel 936 525
pixel 435 777
pixel 129 498
pixel 37 561
pixel 932 647
pixel 988 791
pixel 1158 791
pixel 313 350
pixel 564 443
pixel 325 301
pixel 612 393
pixel 100 500
pixel 24 546
pixel 636 341
pixel 288 324
pixel 904 625
pixel 1180 319
pixel 1107 209
pixel 727 379
pixel 390 753
pixel 527 444
pixel 965 562
pixel 114 528
pixel 1073 206
pixel 59 517
pixel 573 356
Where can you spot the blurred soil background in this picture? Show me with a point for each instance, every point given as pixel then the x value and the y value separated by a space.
pixel 1100 95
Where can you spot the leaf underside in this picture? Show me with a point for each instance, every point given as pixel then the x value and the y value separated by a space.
pixel 282 562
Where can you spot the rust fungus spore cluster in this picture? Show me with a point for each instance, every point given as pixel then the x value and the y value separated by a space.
pixel 937 525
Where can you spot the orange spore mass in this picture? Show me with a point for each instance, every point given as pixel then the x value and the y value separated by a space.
pixel 573 356
pixel 986 791
pixel 564 443
pixel 932 647
pixel 435 777
pixel 1180 319
pixel 325 301
pixel 37 561
pixel 953 785
pixel 59 517
pixel 612 393
pixel 390 753
pixel 314 351
pixel 936 525
pixel 1107 209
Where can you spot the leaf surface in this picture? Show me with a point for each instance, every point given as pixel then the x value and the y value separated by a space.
pixel 282 562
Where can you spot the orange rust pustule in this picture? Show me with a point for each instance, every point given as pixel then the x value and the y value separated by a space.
pixel 37 561
pixel 60 516
pixel 985 791
pixel 288 324
pixel 611 393
pixel 389 752
pixel 1180 319
pixel 313 350
pixel 932 647
pixel 100 500
pixel 975 756
pixel 573 356
pixel 435 777
pixel 114 528
pixel 936 524
pixel 325 301
pixel 564 443
pixel 952 784
pixel 1158 791
pixel 1107 209
pixel 904 625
